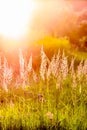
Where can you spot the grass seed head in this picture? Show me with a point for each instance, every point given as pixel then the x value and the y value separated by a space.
pixel 43 67
pixel 29 68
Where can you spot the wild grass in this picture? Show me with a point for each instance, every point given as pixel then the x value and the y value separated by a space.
pixel 55 98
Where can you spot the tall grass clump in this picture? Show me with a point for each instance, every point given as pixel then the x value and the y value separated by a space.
pixel 53 98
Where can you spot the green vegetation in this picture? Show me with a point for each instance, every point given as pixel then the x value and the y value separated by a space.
pixel 52 42
pixel 44 106
pixel 48 92
pixel 79 55
pixel 55 99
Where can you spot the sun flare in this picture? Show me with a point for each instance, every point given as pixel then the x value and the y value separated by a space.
pixel 15 16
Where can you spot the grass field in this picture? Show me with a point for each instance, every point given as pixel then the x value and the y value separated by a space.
pixel 55 98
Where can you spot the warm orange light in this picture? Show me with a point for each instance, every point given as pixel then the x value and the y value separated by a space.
pixel 15 16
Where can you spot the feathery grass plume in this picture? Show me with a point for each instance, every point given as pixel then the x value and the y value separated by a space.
pixel 22 68
pixel 48 71
pixel 51 68
pixel 54 66
pixel 43 67
pixel 72 73
pixel 85 68
pixel 57 64
pixel 80 70
pixel 71 69
pixel 7 75
pixel 29 68
pixel 59 82
pixel 74 81
pixel 21 61
pixel 64 66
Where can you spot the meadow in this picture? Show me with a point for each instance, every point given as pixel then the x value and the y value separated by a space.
pixel 43 65
pixel 54 97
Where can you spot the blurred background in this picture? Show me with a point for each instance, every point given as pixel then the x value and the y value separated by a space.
pixel 51 23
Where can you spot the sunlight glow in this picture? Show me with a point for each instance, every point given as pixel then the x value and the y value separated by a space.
pixel 15 16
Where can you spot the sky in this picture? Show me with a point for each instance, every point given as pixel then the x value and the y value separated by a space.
pixel 15 16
